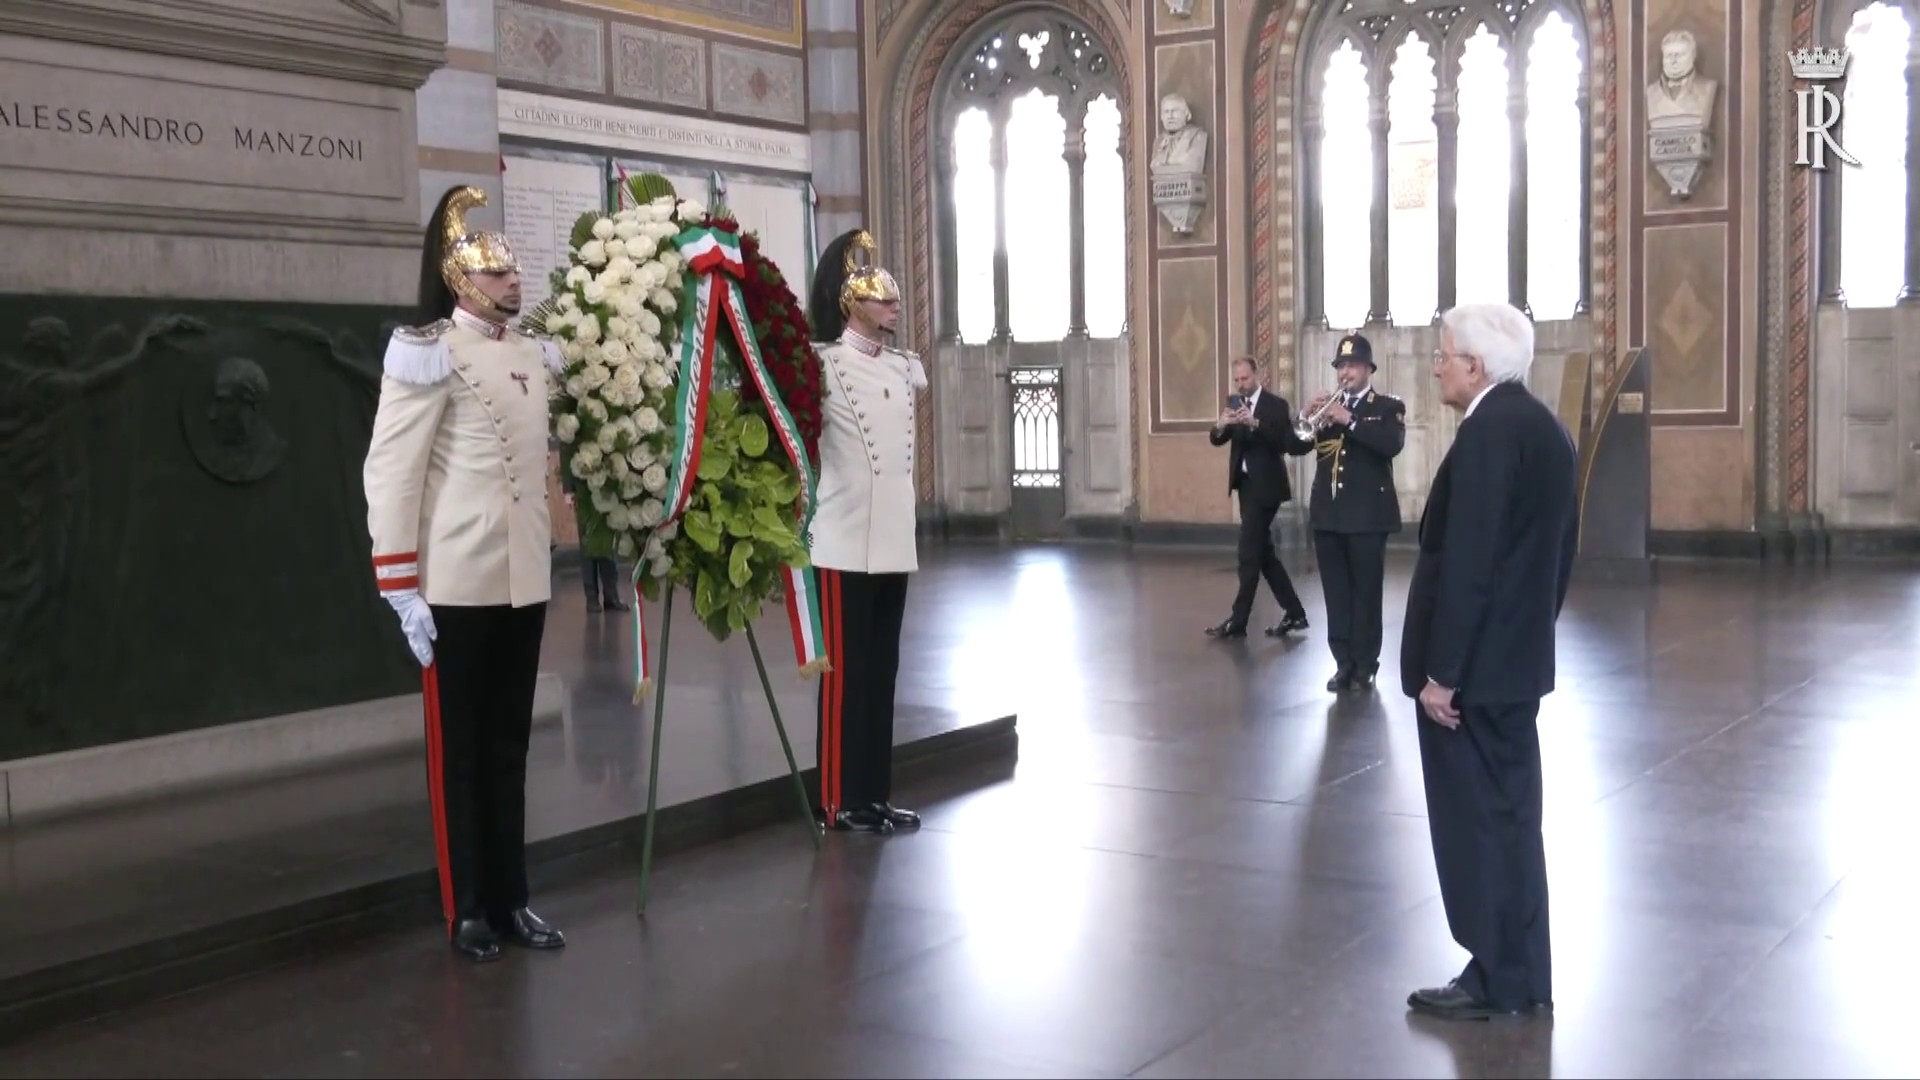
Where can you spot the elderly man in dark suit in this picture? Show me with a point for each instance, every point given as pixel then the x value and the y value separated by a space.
pixel 1258 425
pixel 1496 551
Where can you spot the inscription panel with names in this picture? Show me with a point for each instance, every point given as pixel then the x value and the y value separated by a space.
pixel 58 118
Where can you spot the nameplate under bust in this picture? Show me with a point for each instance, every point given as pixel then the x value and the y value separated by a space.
pixel 60 118
pixel 610 127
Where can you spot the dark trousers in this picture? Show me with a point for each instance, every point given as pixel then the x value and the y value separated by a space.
pixel 1258 560
pixel 1352 568
pixel 601 579
pixel 1484 810
pixel 486 660
pixel 860 616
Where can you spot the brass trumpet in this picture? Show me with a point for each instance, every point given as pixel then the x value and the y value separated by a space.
pixel 1306 426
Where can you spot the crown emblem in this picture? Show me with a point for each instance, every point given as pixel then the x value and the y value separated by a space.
pixel 1818 65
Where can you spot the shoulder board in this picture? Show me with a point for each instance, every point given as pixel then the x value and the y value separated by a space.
pixel 418 355
pixel 916 372
pixel 1389 398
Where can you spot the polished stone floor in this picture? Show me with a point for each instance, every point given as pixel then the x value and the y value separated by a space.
pixel 1202 864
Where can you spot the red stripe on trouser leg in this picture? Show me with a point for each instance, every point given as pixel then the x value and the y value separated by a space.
pixel 832 694
pixel 436 790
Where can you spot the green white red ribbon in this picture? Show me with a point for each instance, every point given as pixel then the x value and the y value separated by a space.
pixel 714 259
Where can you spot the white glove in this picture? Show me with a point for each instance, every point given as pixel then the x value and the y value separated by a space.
pixel 416 621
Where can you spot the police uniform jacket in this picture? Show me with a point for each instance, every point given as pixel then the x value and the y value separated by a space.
pixel 1353 473
pixel 867 509
pixel 456 475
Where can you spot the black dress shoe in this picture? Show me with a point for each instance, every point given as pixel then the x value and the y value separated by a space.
pixel 1342 680
pixel 1450 1002
pixel 901 819
pixel 1362 680
pixel 1226 630
pixel 614 603
pixel 1287 626
pixel 593 607
pixel 530 931
pixel 862 819
pixel 475 940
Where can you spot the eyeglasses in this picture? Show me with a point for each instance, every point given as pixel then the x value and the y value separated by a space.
pixel 1440 356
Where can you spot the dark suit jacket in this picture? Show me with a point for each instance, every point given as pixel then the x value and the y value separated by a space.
pixel 1496 553
pixel 1264 450
pixel 1358 457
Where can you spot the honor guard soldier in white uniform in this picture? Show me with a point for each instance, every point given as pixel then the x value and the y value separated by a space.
pixel 862 538
pixel 457 504
pixel 1355 508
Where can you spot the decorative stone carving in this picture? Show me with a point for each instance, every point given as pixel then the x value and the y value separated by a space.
pixel 1680 115
pixel 225 429
pixel 551 48
pixel 758 83
pixel 659 67
pixel 1178 166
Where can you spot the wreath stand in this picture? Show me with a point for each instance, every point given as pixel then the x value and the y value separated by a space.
pixel 814 831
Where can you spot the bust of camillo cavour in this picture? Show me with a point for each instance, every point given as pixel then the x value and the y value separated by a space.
pixel 1182 146
pixel 1681 96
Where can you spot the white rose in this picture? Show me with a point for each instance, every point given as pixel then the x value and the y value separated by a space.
pixel 586 459
pixel 594 292
pixel 588 331
pixel 599 480
pixel 594 410
pixel 672 260
pixel 625 227
pixel 647 420
pixel 691 211
pixel 621 270
pixel 576 387
pixel 656 377
pixel 628 303
pixel 661 208
pixel 630 489
pixel 655 478
pixel 650 323
pixel 624 547
pixel 640 456
pixel 670 530
pixel 629 216
pixel 568 303
pixel 663 300
pixel 642 247
pixel 596 376
pixel 608 439
pixel 593 253
pixel 617 465
pixel 651 512
pixel 615 353
pixel 573 351
pixel 602 501
pixel 567 427
pixel 602 229
pixel 618 327
pixel 627 378
pixel 661 566
pixel 616 248
pixel 577 277
pixel 656 547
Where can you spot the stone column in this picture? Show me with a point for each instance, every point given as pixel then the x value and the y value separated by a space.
pixel 1517 181
pixel 1002 314
pixel 1826 188
pixel 836 125
pixel 1075 151
pixel 1910 290
pixel 947 314
pixel 1446 126
pixel 1378 311
pixel 1585 303
pixel 1312 271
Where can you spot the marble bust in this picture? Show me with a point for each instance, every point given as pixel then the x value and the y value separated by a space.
pixel 1180 8
pixel 1182 146
pixel 1681 92
pixel 1680 115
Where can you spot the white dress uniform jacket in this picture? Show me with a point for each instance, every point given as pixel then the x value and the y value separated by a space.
pixel 867 512
pixel 456 475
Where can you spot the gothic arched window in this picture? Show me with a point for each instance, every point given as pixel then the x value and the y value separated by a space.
pixel 1447 159
pixel 1029 139
pixel 1876 201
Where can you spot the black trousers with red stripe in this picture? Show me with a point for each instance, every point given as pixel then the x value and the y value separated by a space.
pixel 486 662
pixel 860 618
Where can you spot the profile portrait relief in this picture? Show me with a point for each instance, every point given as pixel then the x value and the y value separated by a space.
pixel 1182 145
pixel 225 428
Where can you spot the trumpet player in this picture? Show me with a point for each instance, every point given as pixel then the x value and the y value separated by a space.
pixel 1354 507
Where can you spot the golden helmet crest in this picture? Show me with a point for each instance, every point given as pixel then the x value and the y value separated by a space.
pixel 869 282
pixel 467 252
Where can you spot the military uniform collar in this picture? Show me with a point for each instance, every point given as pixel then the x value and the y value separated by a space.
pixel 486 328
pixel 861 343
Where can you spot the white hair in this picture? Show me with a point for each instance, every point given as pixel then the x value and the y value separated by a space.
pixel 1498 334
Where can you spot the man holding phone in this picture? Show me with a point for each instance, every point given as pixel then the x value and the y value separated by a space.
pixel 1258 426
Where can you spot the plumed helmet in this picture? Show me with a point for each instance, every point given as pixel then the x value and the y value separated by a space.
pixel 455 253
pixel 842 281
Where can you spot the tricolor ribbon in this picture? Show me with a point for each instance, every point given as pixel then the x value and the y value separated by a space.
pixel 714 259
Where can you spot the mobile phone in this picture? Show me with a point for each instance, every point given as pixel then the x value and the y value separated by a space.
pixel 1235 401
